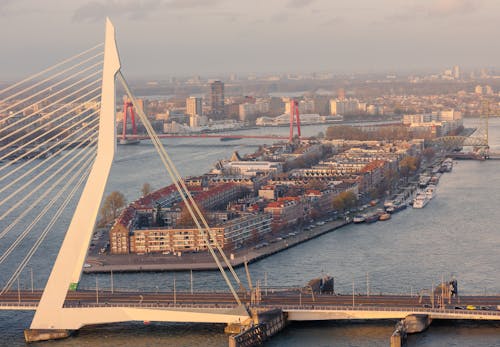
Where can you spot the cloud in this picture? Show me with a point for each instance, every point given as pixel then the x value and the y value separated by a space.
pixel 437 9
pixel 451 7
pixel 333 21
pixel 279 18
pixel 188 4
pixel 134 9
pixel 299 3
pixel 5 7
pixel 95 10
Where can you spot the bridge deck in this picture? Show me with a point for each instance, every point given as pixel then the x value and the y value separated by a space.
pixel 299 306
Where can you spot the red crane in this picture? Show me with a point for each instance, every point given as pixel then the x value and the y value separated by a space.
pixel 126 106
pixel 294 117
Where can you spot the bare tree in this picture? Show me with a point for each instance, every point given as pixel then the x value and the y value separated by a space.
pixel 146 189
pixel 112 204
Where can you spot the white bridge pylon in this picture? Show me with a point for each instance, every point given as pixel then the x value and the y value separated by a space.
pixel 52 319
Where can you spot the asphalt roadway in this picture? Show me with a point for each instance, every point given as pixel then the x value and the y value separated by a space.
pixel 275 298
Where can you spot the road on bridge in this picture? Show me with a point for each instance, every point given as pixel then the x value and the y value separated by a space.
pixel 272 298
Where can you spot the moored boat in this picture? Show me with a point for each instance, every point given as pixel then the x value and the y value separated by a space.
pixel 430 191
pixel 396 208
pixel 384 217
pixel 371 218
pixel 358 219
pixel 420 200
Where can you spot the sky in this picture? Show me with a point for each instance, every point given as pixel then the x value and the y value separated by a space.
pixel 159 38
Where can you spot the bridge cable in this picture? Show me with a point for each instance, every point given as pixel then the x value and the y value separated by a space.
pixel 80 137
pixel 44 195
pixel 179 178
pixel 46 151
pixel 53 120
pixel 47 141
pixel 183 191
pixel 38 74
pixel 89 158
pixel 47 229
pixel 35 189
pixel 50 87
pixel 49 105
pixel 199 214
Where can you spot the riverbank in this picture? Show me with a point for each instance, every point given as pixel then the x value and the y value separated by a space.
pixel 202 261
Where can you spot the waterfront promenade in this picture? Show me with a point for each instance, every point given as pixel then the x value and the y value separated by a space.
pixel 202 260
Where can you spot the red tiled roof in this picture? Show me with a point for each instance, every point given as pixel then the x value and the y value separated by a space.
pixel 206 194
pixel 148 200
pixel 126 216
pixel 373 165
pixel 289 198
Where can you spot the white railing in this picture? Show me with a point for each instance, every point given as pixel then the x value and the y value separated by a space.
pixel 452 312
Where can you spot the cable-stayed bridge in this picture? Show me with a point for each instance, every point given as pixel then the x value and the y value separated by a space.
pixel 57 144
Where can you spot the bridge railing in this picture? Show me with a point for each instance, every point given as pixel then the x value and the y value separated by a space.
pixel 151 305
pixel 19 304
pixel 381 308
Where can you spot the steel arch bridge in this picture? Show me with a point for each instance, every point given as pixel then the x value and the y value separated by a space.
pixel 461 141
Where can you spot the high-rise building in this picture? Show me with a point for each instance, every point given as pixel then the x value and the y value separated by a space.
pixel 456 72
pixel 194 106
pixel 217 97
pixel 346 106
pixel 341 94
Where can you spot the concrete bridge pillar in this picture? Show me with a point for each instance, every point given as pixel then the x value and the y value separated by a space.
pixel 412 324
pixel 416 323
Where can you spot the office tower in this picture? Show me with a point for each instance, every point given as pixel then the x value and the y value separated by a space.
pixel 217 97
pixel 193 106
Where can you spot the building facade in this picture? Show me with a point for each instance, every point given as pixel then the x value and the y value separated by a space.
pixel 217 97
pixel 194 106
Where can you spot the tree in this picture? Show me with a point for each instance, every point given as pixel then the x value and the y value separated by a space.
pixel 112 204
pixel 146 189
pixel 408 165
pixel 186 220
pixel 429 153
pixel 344 200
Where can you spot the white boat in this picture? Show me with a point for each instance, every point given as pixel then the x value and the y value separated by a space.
pixel 388 203
pixel 420 200
pixel 358 219
pixel 423 180
pixel 430 192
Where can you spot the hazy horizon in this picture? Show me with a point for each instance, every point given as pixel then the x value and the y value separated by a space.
pixel 162 38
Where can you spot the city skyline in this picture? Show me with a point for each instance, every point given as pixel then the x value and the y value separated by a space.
pixel 165 38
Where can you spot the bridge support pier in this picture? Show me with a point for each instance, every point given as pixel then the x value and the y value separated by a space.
pixel 412 324
pixel 255 331
pixel 35 335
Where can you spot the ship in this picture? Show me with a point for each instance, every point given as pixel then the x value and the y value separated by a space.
pixel 424 180
pixel 129 142
pixel 358 219
pixel 396 208
pixel 446 165
pixel 230 138
pixel 384 217
pixel 430 191
pixel 420 200
pixel 372 218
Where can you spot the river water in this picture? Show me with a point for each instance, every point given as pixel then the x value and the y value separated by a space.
pixel 456 234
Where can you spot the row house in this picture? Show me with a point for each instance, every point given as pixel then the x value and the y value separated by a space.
pixel 286 211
